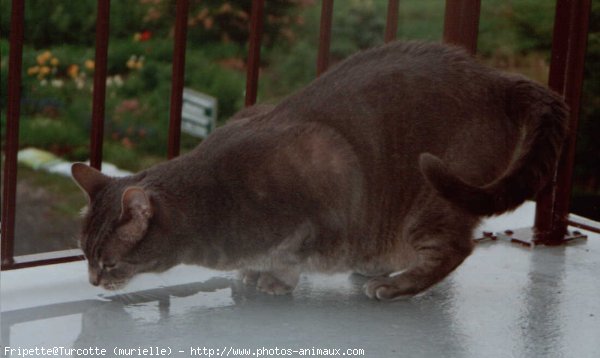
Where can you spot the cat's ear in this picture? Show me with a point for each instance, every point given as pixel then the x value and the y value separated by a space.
pixel 136 212
pixel 90 180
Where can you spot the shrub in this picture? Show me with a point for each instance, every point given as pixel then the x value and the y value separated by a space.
pixel 61 136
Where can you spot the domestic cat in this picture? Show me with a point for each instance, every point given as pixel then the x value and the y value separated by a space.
pixel 385 163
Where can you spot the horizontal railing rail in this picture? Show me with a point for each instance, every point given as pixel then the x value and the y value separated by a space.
pixel 461 22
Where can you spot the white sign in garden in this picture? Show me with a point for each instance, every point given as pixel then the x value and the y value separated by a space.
pixel 198 113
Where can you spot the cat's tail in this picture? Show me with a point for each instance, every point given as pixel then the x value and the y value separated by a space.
pixel 543 115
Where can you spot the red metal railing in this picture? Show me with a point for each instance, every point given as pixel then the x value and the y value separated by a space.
pixel 460 27
pixel 180 40
pixel 324 36
pixel 99 92
pixel 256 27
pixel 566 77
pixel 13 112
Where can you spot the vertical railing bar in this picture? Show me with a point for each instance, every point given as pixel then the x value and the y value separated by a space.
pixel 461 23
pixel 253 63
pixel 13 112
pixel 324 36
pixel 99 94
pixel 566 77
pixel 391 27
pixel 178 74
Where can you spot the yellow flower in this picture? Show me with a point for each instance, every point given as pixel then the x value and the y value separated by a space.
pixel 225 8
pixel 54 61
pixel 43 57
pixel 73 71
pixel 135 63
pixel 131 63
pixel 140 63
pixel 44 70
pixel 89 64
pixel 33 70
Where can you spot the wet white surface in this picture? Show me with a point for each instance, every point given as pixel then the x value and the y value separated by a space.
pixel 504 301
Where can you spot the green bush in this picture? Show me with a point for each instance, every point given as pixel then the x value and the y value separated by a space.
pixel 60 135
pixel 3 80
pixel 588 139
pixel 353 15
pixel 120 155
pixel 224 84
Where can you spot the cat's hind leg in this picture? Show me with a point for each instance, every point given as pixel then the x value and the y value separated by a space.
pixel 439 245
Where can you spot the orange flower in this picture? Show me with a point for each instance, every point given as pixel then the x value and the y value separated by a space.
pixel 54 61
pixel 33 70
pixel 208 23
pixel 89 64
pixel 225 8
pixel 73 71
pixel 43 57
pixel 44 70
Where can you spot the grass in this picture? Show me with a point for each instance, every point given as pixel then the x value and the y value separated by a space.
pixel 68 199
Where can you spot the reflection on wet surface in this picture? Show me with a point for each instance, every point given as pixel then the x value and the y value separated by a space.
pixel 219 312
pixel 504 301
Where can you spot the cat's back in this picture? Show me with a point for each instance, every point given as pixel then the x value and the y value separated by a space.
pixel 399 68
pixel 409 58
pixel 393 95
pixel 407 84
pixel 396 101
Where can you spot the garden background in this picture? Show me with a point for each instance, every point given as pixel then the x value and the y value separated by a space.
pixel 58 70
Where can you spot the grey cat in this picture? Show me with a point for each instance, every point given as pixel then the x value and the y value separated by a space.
pixel 386 163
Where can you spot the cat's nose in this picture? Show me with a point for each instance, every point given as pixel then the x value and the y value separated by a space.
pixel 94 279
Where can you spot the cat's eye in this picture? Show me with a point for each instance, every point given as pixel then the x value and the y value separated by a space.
pixel 108 266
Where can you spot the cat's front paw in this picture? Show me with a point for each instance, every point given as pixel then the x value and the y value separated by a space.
pixel 384 289
pixel 270 284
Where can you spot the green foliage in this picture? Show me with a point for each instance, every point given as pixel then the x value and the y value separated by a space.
pixel 420 20
pixel 56 22
pixel 57 134
pixel 209 77
pixel 356 25
pixel 120 155
pixel 533 21
pixel 3 77
pixel 588 139
pixel 353 15
pixel 214 21
pixel 288 73
pixel 71 199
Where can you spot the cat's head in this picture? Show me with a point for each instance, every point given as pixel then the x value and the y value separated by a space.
pixel 119 233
